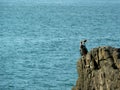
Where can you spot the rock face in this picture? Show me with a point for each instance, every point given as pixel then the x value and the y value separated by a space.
pixel 99 69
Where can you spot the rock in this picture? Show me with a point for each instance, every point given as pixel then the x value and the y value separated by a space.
pixel 99 70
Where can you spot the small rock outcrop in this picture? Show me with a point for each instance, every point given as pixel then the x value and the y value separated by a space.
pixel 99 69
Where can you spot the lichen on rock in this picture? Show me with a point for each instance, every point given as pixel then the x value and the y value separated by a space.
pixel 99 69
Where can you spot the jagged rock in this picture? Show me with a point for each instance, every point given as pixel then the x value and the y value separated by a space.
pixel 99 70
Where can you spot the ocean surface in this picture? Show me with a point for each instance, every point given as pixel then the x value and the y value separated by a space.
pixel 39 44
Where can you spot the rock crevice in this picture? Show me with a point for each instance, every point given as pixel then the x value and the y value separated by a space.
pixel 99 69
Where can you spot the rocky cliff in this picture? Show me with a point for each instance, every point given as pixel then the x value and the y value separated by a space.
pixel 99 70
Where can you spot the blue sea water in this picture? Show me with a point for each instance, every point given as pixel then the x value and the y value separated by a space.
pixel 39 44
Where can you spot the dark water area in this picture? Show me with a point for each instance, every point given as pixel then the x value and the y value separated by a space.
pixel 39 44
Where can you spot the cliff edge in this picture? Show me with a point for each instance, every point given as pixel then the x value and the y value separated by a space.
pixel 99 69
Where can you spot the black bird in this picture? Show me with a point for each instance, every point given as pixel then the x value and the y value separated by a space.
pixel 83 49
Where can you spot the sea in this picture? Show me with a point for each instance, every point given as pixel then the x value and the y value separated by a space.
pixel 39 43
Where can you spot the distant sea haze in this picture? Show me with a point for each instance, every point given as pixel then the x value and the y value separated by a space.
pixel 61 2
pixel 39 44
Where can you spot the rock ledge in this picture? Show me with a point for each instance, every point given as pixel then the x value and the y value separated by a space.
pixel 99 69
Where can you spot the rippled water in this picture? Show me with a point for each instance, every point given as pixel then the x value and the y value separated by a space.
pixel 39 44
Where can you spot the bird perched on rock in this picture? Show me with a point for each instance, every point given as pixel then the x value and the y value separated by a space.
pixel 83 49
